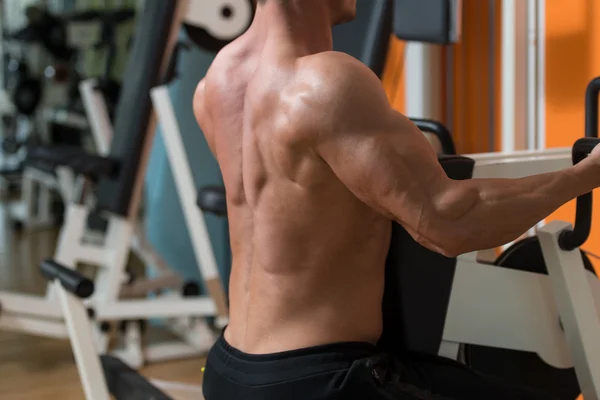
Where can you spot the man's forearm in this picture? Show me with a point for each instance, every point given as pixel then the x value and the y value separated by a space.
pixel 485 213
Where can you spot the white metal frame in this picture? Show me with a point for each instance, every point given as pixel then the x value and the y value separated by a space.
pixel 523 74
pixel 521 310
pixel 514 75
pixel 186 189
pixel 422 68
pixel 34 210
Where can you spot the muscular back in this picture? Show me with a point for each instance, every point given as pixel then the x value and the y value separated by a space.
pixel 316 164
pixel 308 255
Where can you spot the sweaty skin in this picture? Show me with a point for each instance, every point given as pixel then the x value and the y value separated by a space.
pixel 316 164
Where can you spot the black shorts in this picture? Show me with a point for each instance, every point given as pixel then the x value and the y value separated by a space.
pixel 348 371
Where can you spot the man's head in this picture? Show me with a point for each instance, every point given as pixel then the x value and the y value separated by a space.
pixel 341 11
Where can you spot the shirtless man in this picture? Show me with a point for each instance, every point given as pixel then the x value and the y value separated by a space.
pixel 316 164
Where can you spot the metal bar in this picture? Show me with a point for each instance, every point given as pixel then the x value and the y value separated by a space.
pixel 532 70
pixel 541 74
pixel 81 336
pixel 33 326
pixel 155 308
pixel 95 109
pixel 35 306
pixel 576 306
pixel 520 167
pixel 184 182
pixel 514 75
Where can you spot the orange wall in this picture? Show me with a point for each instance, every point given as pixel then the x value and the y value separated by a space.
pixel 473 104
pixel 472 107
pixel 572 60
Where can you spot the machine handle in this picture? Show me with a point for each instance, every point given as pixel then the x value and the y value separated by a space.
pixel 171 72
pixel 438 129
pixel 572 239
pixel 70 279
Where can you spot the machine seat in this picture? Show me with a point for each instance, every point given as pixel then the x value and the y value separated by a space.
pixel 90 165
pixel 418 284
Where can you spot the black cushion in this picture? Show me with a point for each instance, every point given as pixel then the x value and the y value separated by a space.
pixel 367 37
pixel 424 20
pixel 457 167
pixel 92 166
pixel 212 199
pixel 418 283
pixel 41 165
pixel 125 383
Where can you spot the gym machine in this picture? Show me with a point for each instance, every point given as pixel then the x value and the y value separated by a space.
pixel 118 181
pixel 63 125
pixel 37 207
pixel 531 316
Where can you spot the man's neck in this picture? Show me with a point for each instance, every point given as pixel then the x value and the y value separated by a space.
pixel 305 23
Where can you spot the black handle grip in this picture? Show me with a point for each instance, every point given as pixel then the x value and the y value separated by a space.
pixel 439 130
pixel 583 147
pixel 71 280
pixel 570 240
pixel 171 72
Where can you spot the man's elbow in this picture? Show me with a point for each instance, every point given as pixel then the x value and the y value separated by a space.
pixel 449 223
pixel 451 248
pixel 441 241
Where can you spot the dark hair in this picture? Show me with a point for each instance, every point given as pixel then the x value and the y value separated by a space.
pixel 261 2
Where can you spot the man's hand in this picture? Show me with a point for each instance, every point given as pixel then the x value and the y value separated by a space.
pixel 595 156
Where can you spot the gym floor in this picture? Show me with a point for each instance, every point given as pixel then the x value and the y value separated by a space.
pixel 36 368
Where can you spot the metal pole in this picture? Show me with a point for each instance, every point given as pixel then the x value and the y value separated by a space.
pixel 532 55
pixel 514 75
pixel 450 87
pixel 492 75
pixel 541 74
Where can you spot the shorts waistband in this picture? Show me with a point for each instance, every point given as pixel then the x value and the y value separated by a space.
pixel 258 369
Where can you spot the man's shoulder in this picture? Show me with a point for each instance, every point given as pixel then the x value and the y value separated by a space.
pixel 336 78
pixel 342 88
pixel 336 67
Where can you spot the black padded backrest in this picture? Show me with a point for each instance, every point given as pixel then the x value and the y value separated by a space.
pixel 418 283
pixel 367 37
pixel 424 20
pixel 132 116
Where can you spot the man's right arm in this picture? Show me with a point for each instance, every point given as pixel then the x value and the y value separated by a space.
pixel 388 164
